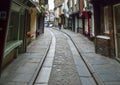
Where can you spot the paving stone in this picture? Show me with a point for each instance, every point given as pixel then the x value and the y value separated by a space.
pixel 64 71
pixel 110 77
pixel 48 62
pixel 40 84
pixel 87 81
pixel 22 69
pixel 27 68
pixel 22 77
pixel 83 71
pixel 14 83
pixel 112 83
pixel 34 60
pixel 107 69
pixel 44 74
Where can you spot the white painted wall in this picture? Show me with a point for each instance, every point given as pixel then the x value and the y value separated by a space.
pixel 57 13
pixel 33 22
pixel 86 26
pixel 92 24
pixel 66 8
pixel 76 24
pixel 80 23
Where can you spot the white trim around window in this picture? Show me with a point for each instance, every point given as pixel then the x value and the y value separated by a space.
pixel 106 20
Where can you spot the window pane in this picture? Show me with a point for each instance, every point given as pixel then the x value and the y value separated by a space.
pixel 106 20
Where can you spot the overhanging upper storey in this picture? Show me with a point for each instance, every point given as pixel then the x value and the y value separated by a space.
pixel 58 3
pixel 104 1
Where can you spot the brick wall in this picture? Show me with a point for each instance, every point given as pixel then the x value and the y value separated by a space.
pixel 103 46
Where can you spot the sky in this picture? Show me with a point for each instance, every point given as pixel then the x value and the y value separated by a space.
pixel 51 4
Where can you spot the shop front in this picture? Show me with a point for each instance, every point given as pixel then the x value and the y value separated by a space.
pixel 74 21
pixel 16 32
pixel 116 13
pixel 4 16
pixel 106 14
pixel 86 16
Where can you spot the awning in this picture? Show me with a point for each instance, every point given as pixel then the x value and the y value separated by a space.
pixel 75 13
pixel 25 3
pixel 20 4
pixel 29 3
pixel 32 3
pixel 104 2
pixel 86 14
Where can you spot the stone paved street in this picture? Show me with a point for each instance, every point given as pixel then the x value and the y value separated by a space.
pixel 105 70
pixel 22 70
pixel 64 71
pixel 64 65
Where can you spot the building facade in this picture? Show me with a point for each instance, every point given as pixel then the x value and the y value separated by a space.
pixel 86 19
pixel 106 14
pixel 24 21
pixel 59 14
pixel 74 9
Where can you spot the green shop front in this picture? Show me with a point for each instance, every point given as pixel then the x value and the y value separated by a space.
pixel 15 42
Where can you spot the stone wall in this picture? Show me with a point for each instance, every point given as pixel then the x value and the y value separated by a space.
pixel 102 46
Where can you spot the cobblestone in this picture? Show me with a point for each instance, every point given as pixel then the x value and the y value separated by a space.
pixel 64 71
pixel 104 69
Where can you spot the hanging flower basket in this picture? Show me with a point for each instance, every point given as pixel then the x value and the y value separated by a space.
pixel 43 12
pixel 42 7
pixel 29 34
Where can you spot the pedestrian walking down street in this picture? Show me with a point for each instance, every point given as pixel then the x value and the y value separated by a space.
pixel 59 25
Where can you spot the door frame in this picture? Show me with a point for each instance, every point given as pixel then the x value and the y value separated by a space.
pixel 76 24
pixel 116 46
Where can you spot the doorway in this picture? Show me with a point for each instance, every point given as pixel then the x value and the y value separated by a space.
pixel 116 13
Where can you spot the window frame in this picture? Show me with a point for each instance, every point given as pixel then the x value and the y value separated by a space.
pixel 106 20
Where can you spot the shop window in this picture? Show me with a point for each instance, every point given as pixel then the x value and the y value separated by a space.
pixel 106 20
pixel 12 33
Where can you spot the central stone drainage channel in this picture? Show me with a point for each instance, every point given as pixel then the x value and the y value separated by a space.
pixel 44 74
pixel 85 73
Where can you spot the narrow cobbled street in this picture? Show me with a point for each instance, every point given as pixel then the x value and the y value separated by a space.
pixel 64 71
pixel 61 57
pixel 67 66
pixel 60 42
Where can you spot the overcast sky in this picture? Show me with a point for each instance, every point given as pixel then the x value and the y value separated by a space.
pixel 51 4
